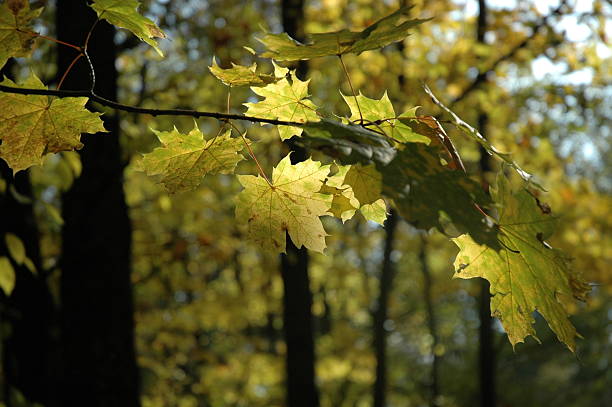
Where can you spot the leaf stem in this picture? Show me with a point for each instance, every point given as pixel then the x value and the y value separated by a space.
pixel 351 86
pixel 44 37
pixel 74 61
pixel 251 153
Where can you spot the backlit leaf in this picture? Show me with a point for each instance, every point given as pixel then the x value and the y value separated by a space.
pixel 15 247
pixel 372 110
pixel 184 159
pixel 385 31
pixel 526 274
pixel 362 186
pixel 291 204
pixel 16 37
pixel 286 101
pixel 240 75
pixel 32 126
pixel 124 14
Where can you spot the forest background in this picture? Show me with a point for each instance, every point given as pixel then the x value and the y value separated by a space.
pixel 145 298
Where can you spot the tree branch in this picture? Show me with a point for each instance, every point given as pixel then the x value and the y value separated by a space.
pixel 141 110
pixel 482 75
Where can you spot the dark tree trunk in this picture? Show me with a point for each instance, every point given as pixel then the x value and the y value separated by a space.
pixel 431 322
pixel 381 313
pixel 27 350
pixel 29 310
pixel 97 311
pixel 297 298
pixel 486 351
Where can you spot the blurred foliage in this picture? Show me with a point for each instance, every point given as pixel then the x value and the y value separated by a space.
pixel 209 305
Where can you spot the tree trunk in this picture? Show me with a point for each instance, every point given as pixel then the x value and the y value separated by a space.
pixel 297 297
pixel 97 311
pixel 486 351
pixel 380 314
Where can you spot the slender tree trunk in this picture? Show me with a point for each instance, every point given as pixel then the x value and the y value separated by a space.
pixel 97 310
pixel 297 298
pixel 431 322
pixel 29 310
pixel 381 313
pixel 486 351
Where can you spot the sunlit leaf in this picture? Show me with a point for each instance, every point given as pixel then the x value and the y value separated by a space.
pixel 184 159
pixel 124 14
pixel 362 186
pixel 373 111
pixel 385 31
pixel 526 274
pixel 16 36
pixel 287 101
pixel 32 126
pixel 240 75
pixel 291 204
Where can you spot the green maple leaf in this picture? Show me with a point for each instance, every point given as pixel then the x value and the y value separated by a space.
pixel 240 75
pixel 526 274
pixel 16 36
pixel 372 110
pixel 361 186
pixel 291 204
pixel 124 14
pixel 426 192
pixel 385 31
pixel 184 159
pixel 32 126
pixel 284 101
pixel 475 135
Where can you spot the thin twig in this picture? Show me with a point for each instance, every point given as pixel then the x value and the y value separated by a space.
pixel 141 110
pixel 74 61
pixel 351 86
pixel 90 32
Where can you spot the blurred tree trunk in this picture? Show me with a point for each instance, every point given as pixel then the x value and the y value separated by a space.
pixel 97 311
pixel 381 313
pixel 29 311
pixel 297 298
pixel 431 322
pixel 486 351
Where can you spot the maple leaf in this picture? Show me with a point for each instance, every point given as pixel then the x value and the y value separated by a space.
pixel 124 14
pixel 426 191
pixel 525 274
pixel 284 101
pixel 347 142
pixel 16 37
pixel 290 203
pixel 372 110
pixel 184 159
pixel 385 31
pixel 475 135
pixel 361 186
pixel 240 75
pixel 32 126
